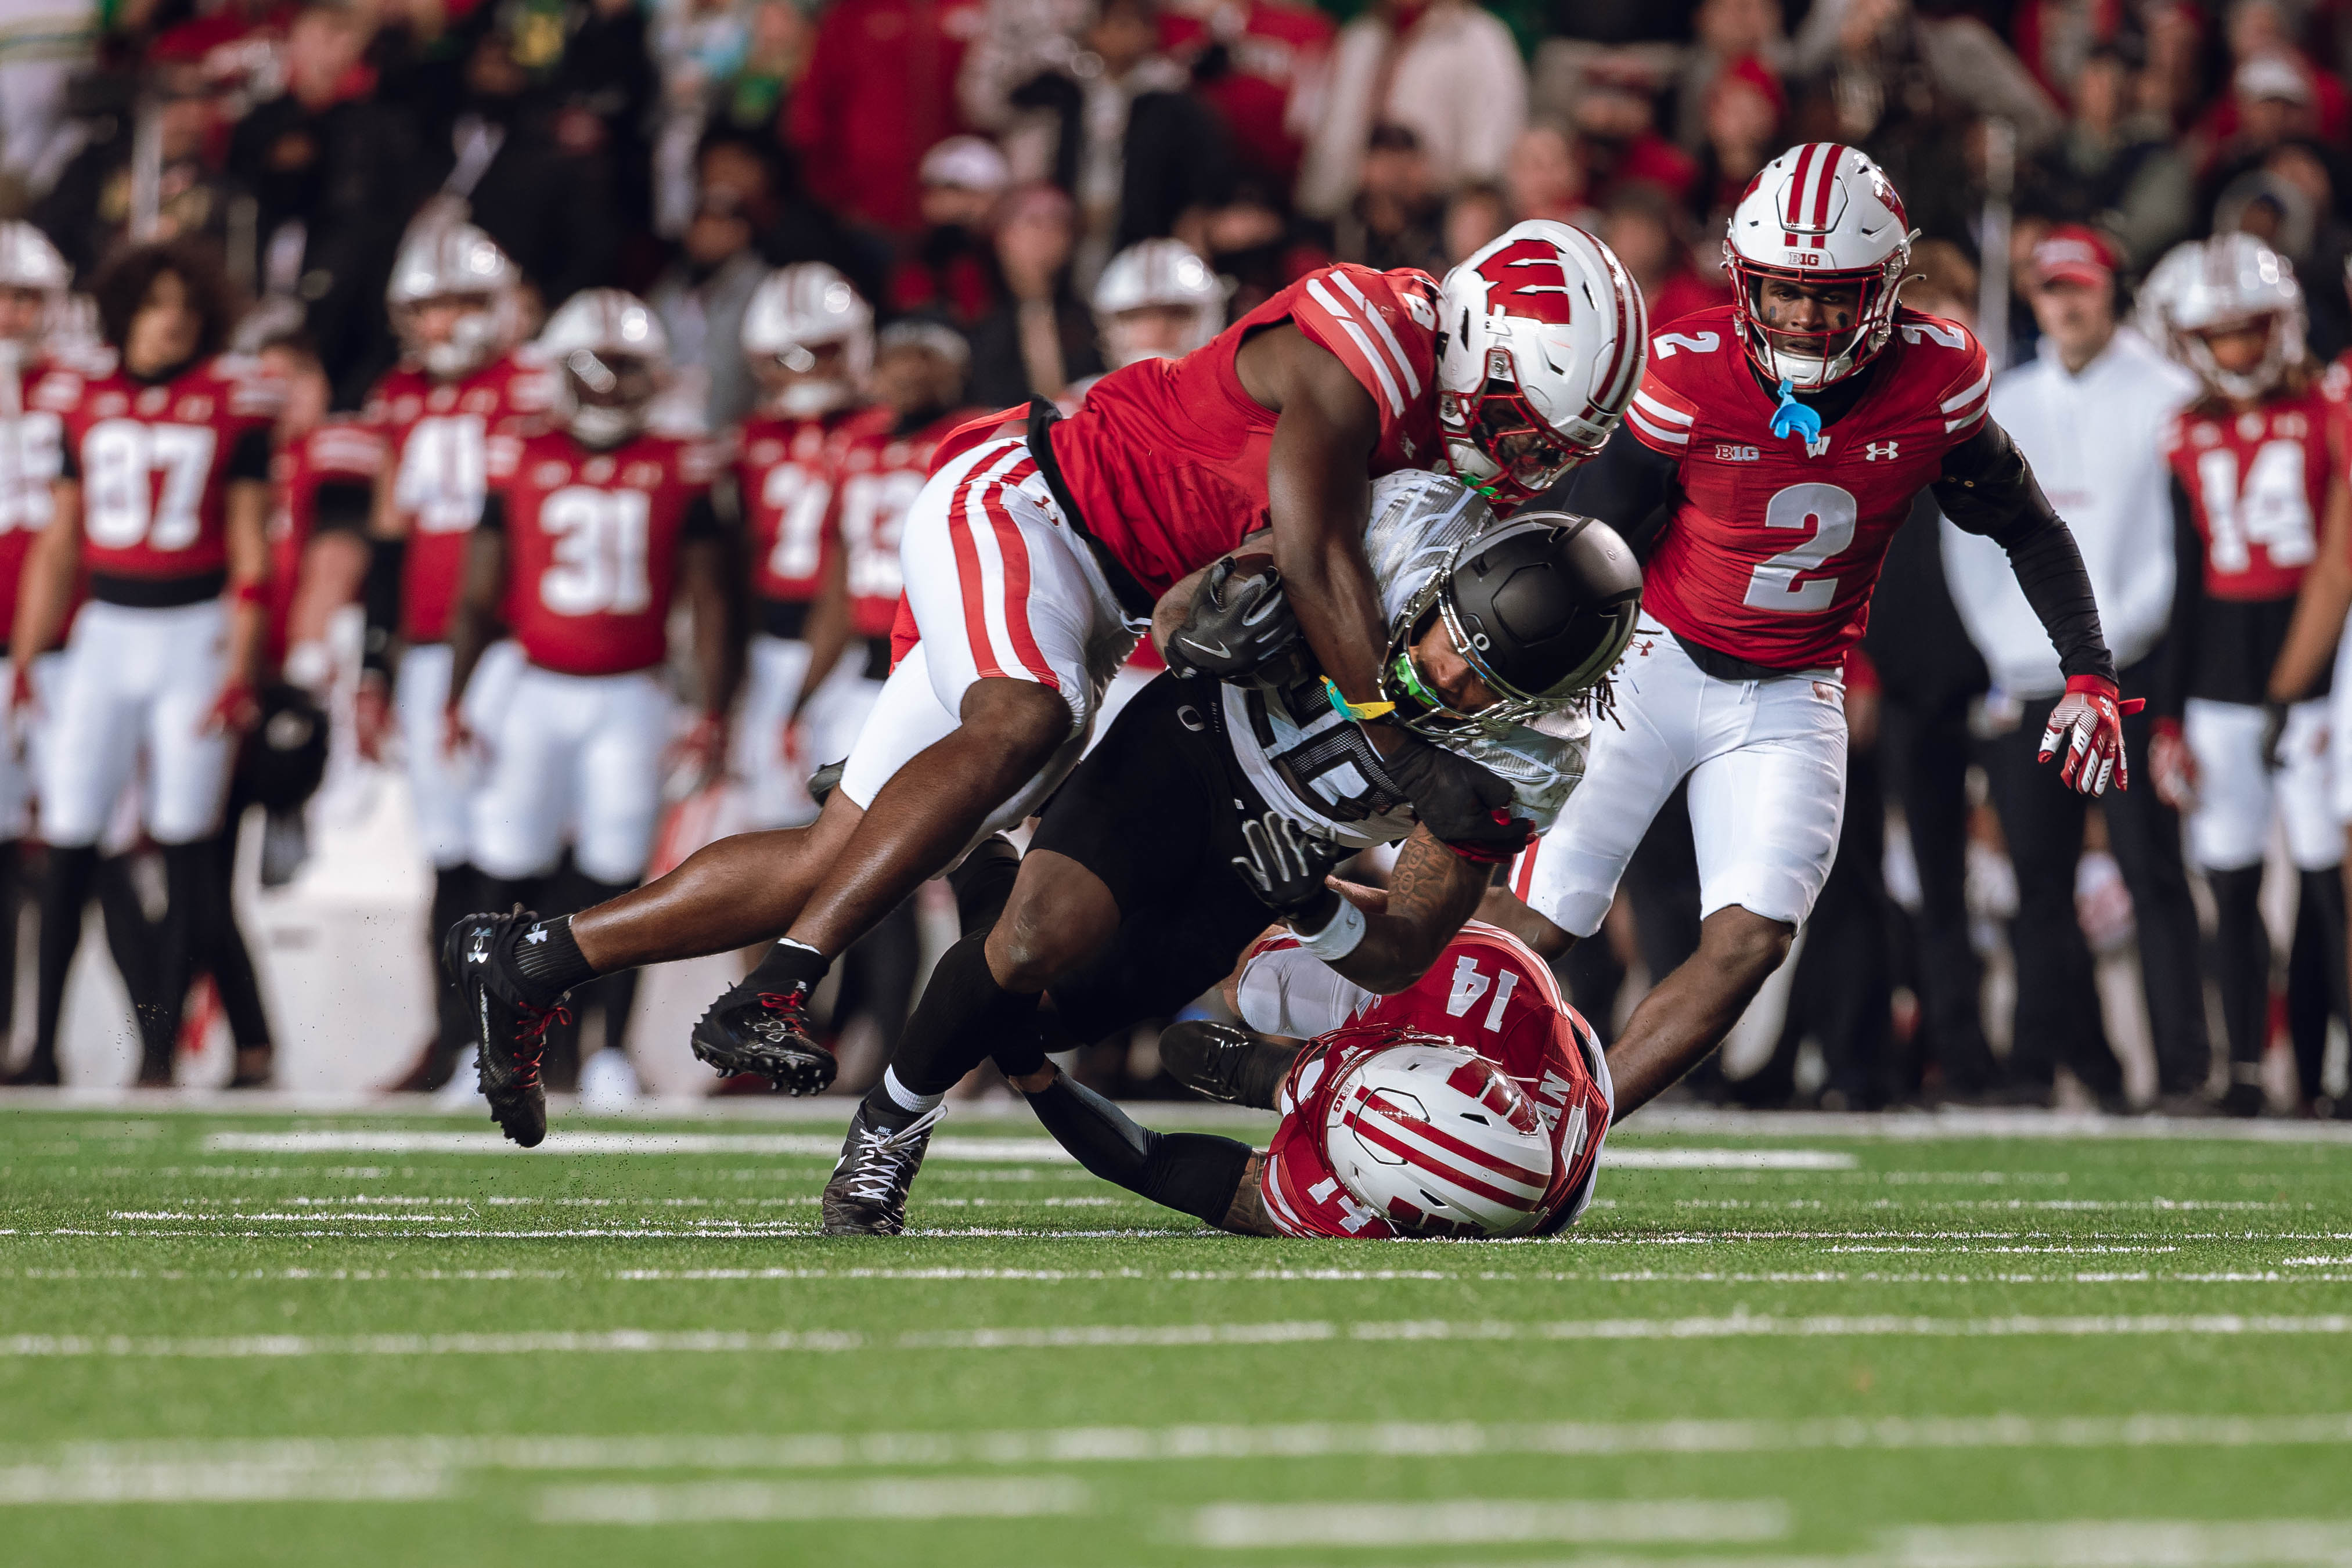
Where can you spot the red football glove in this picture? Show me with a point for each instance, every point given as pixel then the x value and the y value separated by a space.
pixel 2091 714
pixel 371 715
pixel 2173 765
pixel 234 710
pixel 23 701
pixel 700 753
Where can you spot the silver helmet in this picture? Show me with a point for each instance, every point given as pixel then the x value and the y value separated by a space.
pixel 439 259
pixel 28 261
pixel 795 310
pixel 1165 274
pixel 2239 282
pixel 610 359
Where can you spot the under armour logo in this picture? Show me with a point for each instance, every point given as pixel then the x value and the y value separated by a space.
pixel 1872 451
pixel 480 952
pixel 534 936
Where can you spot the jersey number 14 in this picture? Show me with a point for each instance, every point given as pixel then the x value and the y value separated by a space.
pixel 2272 511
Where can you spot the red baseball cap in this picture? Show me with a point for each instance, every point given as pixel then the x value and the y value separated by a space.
pixel 2072 254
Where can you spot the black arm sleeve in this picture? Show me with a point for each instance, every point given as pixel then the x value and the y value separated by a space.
pixel 1987 488
pixel 494 513
pixel 1631 489
pixel 342 504
pixel 2178 660
pixel 380 596
pixel 249 458
pixel 701 521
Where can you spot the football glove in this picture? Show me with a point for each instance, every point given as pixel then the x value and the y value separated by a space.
pixel 1466 807
pixel 1285 865
pixel 2173 765
pixel 2092 714
pixel 1240 619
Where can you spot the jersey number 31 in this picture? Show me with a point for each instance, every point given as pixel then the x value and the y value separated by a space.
pixel 1826 513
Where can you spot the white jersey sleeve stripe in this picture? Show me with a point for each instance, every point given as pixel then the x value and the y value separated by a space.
pixel 1322 297
pixel 1380 325
pixel 1670 437
pixel 1958 400
pixel 1656 410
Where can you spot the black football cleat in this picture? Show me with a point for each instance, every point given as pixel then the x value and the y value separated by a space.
pixel 510 1030
pixel 1224 1062
pixel 767 1032
pixel 867 1194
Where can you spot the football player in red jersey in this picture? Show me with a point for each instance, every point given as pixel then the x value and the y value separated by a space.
pixel 592 527
pixel 1774 447
pixel 165 504
pixel 454 303
pixel 809 340
pixel 2257 464
pixel 33 282
pixel 1394 1122
pixel 1033 557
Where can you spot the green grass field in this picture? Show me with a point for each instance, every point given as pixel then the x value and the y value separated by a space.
pixel 242 1339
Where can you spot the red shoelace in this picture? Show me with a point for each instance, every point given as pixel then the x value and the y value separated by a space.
pixel 533 1034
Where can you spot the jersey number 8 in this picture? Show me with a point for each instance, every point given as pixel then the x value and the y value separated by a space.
pixel 1831 514
pixel 600 552
pixel 122 507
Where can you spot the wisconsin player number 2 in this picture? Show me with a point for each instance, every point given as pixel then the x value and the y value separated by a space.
pixel 1826 512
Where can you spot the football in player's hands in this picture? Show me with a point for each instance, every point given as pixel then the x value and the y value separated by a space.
pixel 1239 618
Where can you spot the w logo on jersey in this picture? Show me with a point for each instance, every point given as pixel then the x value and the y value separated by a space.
pixel 1527 279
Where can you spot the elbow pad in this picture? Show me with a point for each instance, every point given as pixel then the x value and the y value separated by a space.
pixel 1988 487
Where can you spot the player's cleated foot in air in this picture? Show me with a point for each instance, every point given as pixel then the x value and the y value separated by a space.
pixel 768 1033
pixel 1224 1062
pixel 509 1027
pixel 867 1194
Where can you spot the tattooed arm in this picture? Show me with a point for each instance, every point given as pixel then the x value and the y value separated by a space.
pixel 1430 893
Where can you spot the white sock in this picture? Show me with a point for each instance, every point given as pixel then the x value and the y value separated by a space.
pixel 904 1098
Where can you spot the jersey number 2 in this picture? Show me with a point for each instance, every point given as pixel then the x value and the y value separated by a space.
pixel 123 508
pixel 1829 515
pixel 600 552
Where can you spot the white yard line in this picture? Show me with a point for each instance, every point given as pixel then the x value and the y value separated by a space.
pixel 638 1342
pixel 1482 1522
pixel 222 1482
pixel 2127 1543
pixel 701 1502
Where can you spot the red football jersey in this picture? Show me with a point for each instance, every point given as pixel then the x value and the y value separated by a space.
pixel 1167 459
pixel 784 471
pixel 1488 991
pixel 1774 549
pixel 877 473
pixel 2257 485
pixel 154 462
pixel 434 434
pixel 592 545
pixel 32 455
pixel 338 450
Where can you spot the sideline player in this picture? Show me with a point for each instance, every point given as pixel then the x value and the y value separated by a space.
pixel 1032 560
pixel 164 502
pixel 1473 1104
pixel 809 341
pixel 33 282
pixel 590 528
pixel 1212 799
pixel 455 306
pixel 2256 465
pixel 1774 447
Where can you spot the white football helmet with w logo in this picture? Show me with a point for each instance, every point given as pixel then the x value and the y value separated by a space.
pixel 1819 213
pixel 1439 1141
pixel 2236 282
pixel 1540 342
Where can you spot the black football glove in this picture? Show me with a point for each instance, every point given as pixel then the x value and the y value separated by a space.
pixel 1238 620
pixel 1465 806
pixel 1285 867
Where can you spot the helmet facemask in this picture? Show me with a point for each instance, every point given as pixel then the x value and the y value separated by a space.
pixel 1497 442
pixel 1421 706
pixel 603 398
pixel 476 335
pixel 2283 346
pixel 806 380
pixel 1810 361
